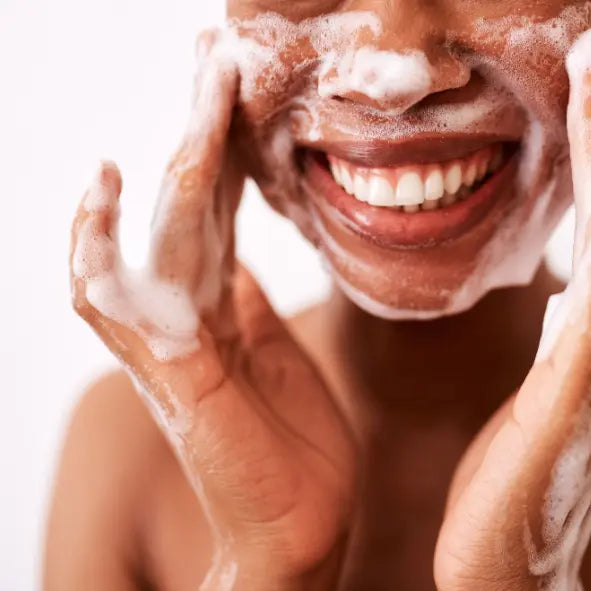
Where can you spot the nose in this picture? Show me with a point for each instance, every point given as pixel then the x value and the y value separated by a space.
pixel 406 62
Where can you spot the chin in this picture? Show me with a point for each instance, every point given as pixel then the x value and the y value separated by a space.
pixel 421 198
pixel 417 216
pixel 441 256
pixel 424 227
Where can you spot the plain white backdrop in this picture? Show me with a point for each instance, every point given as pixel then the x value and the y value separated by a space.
pixel 81 81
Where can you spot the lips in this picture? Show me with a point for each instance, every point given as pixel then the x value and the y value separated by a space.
pixel 374 202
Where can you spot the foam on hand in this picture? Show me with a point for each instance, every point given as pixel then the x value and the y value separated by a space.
pixel 566 524
pixel 566 527
pixel 159 312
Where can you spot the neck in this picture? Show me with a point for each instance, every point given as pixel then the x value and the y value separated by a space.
pixel 483 354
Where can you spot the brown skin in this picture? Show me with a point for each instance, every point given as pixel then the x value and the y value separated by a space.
pixel 325 447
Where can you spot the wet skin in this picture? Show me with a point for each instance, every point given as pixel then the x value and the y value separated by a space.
pixel 450 36
pixel 405 411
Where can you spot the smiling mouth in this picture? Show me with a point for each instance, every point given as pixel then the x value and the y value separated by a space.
pixel 410 205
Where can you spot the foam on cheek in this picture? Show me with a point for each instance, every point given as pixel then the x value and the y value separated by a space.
pixel 257 46
pixel 514 254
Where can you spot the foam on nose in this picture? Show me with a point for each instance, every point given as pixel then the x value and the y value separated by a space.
pixel 384 76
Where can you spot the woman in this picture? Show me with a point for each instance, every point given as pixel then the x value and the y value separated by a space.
pixel 422 147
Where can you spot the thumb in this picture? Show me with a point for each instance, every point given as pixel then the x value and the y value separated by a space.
pixel 258 323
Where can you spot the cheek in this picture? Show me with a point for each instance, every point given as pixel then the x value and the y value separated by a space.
pixel 527 54
pixel 271 81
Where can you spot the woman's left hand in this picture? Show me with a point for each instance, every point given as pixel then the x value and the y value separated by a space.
pixel 519 510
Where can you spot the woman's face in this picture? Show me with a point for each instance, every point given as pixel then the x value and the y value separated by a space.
pixel 420 145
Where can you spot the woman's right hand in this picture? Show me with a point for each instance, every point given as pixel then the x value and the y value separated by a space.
pixel 250 418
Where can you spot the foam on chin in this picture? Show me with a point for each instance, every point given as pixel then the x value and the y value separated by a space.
pixel 515 252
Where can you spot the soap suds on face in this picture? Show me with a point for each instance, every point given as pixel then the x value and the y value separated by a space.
pixel 552 35
pixel 257 45
pixel 340 54
pixel 379 75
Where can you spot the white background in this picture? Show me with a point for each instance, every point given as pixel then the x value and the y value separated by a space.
pixel 81 81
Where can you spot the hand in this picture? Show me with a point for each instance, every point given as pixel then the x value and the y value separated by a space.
pixel 249 416
pixel 519 510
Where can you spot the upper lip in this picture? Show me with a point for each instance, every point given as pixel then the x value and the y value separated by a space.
pixel 420 149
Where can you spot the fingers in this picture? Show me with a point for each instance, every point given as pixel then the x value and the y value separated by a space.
pixel 94 249
pixel 188 243
pixel 131 311
pixel 579 132
pixel 567 316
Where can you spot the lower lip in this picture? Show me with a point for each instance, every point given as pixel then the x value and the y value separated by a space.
pixel 390 228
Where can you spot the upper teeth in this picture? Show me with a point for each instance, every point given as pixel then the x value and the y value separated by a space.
pixel 415 187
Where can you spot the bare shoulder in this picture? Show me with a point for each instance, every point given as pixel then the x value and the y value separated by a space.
pixel 112 437
pixel 115 475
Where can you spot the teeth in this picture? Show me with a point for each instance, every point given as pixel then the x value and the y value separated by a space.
pixel 453 179
pixel 448 199
pixel 360 188
pixel 496 161
pixel 482 168
pixel 430 205
pixel 336 172
pixel 381 192
pixel 417 187
pixel 470 174
pixel 410 189
pixel 434 186
pixel 346 181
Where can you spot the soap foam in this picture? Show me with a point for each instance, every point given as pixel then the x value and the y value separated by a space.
pixel 573 306
pixel 566 526
pixel 256 46
pixel 159 312
pixel 379 75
